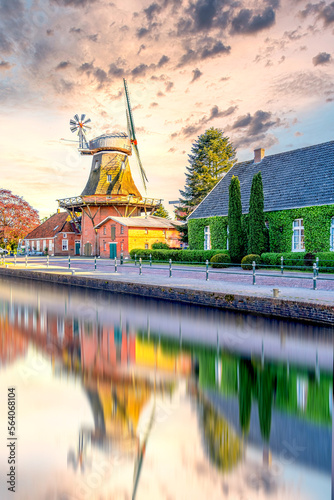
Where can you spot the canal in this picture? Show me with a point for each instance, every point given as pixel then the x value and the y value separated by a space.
pixel 119 397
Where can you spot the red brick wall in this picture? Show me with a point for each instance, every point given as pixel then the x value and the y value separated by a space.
pixel 105 239
pixel 58 245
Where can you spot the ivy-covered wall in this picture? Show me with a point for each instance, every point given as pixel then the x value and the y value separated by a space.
pixel 317 222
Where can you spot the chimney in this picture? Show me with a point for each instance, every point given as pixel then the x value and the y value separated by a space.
pixel 258 155
pixel 58 210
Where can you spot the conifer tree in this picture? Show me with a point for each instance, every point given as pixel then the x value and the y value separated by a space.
pixel 161 212
pixel 257 228
pixel 212 155
pixel 234 220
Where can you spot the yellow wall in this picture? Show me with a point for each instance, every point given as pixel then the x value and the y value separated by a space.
pixel 138 238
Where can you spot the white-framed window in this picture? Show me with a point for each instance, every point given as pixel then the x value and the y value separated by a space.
pixel 104 230
pixel 109 178
pixel 64 245
pixel 146 230
pixel 37 246
pixel 146 246
pixel 50 245
pixel 298 244
pixel 64 235
pixel 44 245
pixel 122 229
pixel 207 238
pixel 227 236
pixel 332 236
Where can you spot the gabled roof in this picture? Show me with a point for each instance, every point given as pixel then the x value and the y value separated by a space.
pixel 149 221
pixel 53 225
pixel 294 179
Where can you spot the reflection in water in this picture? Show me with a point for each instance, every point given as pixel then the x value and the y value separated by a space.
pixel 130 359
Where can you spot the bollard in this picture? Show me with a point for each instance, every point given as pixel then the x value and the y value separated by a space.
pixel 135 259
pixel 254 282
pixel 95 263
pixel 121 259
pixel 282 264
pixel 47 261
pixel 14 259
pixel 206 270
pixel 314 276
pixel 150 260
pixel 115 264
pixel 140 271
pixel 69 262
pixel 317 263
pixel 275 292
pixel 26 260
pixel 170 268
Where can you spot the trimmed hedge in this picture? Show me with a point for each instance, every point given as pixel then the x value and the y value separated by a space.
pixel 298 259
pixel 247 261
pixel 175 255
pixel 160 246
pixel 220 260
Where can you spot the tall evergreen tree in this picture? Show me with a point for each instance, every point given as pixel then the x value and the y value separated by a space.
pixel 234 220
pixel 212 155
pixel 257 228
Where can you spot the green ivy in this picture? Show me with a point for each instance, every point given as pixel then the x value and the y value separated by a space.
pixel 317 222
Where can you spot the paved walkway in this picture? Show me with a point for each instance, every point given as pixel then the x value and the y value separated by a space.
pixel 233 281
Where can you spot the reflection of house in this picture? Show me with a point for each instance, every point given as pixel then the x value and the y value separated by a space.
pixel 57 235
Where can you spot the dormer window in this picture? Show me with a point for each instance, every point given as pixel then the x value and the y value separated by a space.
pixel 109 178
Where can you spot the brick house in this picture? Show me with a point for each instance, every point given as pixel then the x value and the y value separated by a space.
pixel 298 188
pixel 122 234
pixel 56 236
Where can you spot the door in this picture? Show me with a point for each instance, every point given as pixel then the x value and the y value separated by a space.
pixel 88 249
pixel 113 250
pixel 77 248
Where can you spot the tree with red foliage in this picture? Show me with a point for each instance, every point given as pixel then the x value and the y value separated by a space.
pixel 17 218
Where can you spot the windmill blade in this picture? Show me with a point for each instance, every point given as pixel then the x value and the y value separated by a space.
pixel 72 122
pixel 86 126
pixel 129 113
pixel 141 168
pixel 82 118
pixel 128 124
pixel 76 117
pixel 87 121
pixel 74 129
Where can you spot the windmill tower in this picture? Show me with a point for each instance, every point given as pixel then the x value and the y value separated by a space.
pixel 110 189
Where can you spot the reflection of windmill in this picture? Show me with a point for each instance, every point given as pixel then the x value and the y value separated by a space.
pixel 110 187
pixel 80 126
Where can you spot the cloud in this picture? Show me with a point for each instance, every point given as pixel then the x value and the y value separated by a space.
pixel 86 68
pixel 204 13
pixel 194 128
pixel 6 45
pixel 246 22
pixel 163 60
pixel 152 10
pixel 209 50
pixel 322 11
pixel 5 65
pixel 215 113
pixel 256 124
pixel 303 83
pixel 168 86
pixel 101 76
pixel 196 75
pixel 154 104
pixel 73 3
pixel 116 70
pixel 141 32
pixel 63 65
pixel 322 58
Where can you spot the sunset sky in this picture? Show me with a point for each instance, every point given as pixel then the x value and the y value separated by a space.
pixel 262 71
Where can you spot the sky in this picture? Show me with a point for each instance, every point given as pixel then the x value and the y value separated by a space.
pixel 260 70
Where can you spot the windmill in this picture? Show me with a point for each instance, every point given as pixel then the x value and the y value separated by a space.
pixel 80 126
pixel 110 171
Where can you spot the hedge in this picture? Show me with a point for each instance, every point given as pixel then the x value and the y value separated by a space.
pixel 293 259
pixel 175 255
pixel 247 261
pixel 220 260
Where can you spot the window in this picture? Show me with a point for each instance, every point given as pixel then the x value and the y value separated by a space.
pixel 113 233
pixel 298 244
pixel 109 178
pixel 122 247
pixel 207 238
pixel 96 164
pixel 146 230
pixel 122 229
pixel 104 246
pixel 37 246
pixel 227 234
pixel 50 245
pixel 64 235
pixel 44 245
pixel 64 245
pixel 332 236
pixel 104 231
pixel 146 246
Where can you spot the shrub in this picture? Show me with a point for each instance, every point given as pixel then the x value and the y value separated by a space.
pixel 247 261
pixel 194 256
pixel 160 246
pixel 291 259
pixel 257 228
pixel 220 260
pixel 236 237
pixel 309 259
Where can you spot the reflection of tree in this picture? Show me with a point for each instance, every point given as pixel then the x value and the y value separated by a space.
pixel 245 394
pixel 225 448
pixel 265 396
